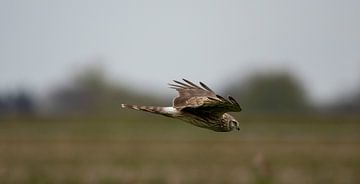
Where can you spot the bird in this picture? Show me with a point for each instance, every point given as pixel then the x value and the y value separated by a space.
pixel 198 105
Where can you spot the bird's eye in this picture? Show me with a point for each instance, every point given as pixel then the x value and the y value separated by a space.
pixel 234 124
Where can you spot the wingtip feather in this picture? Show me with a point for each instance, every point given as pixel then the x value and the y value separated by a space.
pixel 206 87
pixel 220 97
pixel 191 83
pixel 232 100
pixel 181 83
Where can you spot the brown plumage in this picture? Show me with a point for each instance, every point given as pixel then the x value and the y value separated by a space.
pixel 198 105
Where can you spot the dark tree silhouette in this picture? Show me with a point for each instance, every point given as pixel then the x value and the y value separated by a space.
pixel 276 92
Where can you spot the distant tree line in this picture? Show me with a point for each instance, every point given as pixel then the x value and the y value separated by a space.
pixel 20 104
pixel 345 104
pixel 271 92
pixel 90 92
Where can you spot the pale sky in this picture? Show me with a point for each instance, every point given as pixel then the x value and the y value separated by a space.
pixel 149 43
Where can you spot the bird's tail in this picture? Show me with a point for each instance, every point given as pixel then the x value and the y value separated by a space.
pixel 166 111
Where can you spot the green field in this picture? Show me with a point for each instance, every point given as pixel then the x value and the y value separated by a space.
pixel 154 149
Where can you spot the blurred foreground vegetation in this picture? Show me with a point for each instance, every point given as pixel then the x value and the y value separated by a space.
pixel 154 149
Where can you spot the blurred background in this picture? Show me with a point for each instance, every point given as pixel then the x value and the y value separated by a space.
pixel 66 66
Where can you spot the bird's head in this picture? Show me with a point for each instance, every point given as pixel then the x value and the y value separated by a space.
pixel 231 122
pixel 234 124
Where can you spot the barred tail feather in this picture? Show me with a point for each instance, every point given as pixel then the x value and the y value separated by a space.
pixel 167 111
pixel 142 108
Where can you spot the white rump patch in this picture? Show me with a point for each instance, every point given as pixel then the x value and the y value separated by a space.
pixel 170 110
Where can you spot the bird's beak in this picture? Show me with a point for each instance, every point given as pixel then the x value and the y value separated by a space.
pixel 238 126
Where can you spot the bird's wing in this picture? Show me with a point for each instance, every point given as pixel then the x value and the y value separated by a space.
pixel 196 99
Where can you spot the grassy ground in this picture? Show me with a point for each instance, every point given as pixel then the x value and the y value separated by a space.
pixel 151 149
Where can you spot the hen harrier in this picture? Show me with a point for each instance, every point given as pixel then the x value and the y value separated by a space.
pixel 199 106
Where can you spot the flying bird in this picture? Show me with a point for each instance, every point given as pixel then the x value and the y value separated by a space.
pixel 198 105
